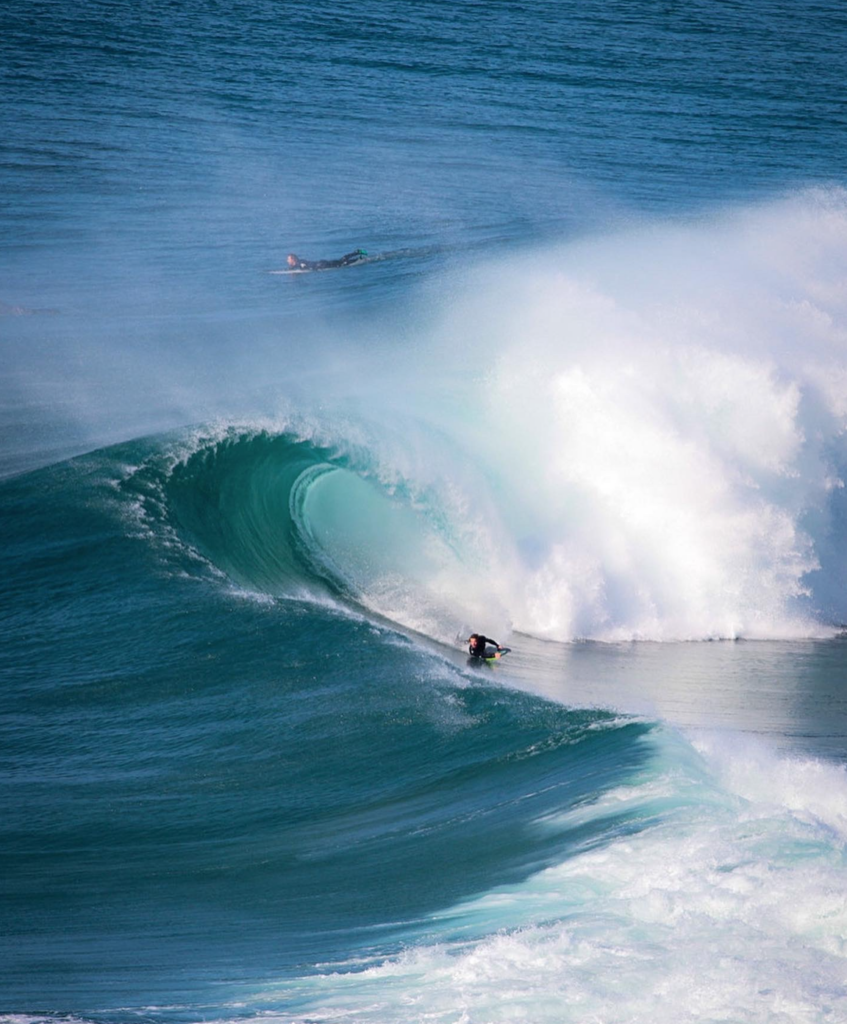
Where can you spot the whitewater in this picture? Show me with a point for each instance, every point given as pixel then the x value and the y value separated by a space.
pixel 588 395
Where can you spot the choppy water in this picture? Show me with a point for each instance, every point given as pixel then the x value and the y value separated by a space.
pixel 588 394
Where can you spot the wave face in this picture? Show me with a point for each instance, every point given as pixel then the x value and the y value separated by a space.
pixel 204 793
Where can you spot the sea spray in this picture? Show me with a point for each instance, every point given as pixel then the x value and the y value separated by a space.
pixel 618 439
pixel 662 415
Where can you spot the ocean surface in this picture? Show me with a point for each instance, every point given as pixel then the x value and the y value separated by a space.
pixel 586 394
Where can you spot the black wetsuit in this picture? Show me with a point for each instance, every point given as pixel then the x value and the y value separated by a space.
pixel 343 261
pixel 478 650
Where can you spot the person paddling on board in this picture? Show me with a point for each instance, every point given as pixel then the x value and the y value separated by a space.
pixel 477 644
pixel 344 261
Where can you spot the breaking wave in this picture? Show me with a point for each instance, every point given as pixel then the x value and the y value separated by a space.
pixel 648 442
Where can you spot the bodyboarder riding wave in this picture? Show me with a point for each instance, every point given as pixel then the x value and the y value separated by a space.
pixel 477 644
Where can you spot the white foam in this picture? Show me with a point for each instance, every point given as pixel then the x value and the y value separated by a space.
pixel 732 908
pixel 813 791
pixel 664 414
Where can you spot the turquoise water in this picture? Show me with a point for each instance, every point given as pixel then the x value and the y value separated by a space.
pixel 588 395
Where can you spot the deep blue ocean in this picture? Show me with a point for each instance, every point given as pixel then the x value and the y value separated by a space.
pixel 587 394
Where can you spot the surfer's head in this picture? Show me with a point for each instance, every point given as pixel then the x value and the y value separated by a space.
pixel 292 260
